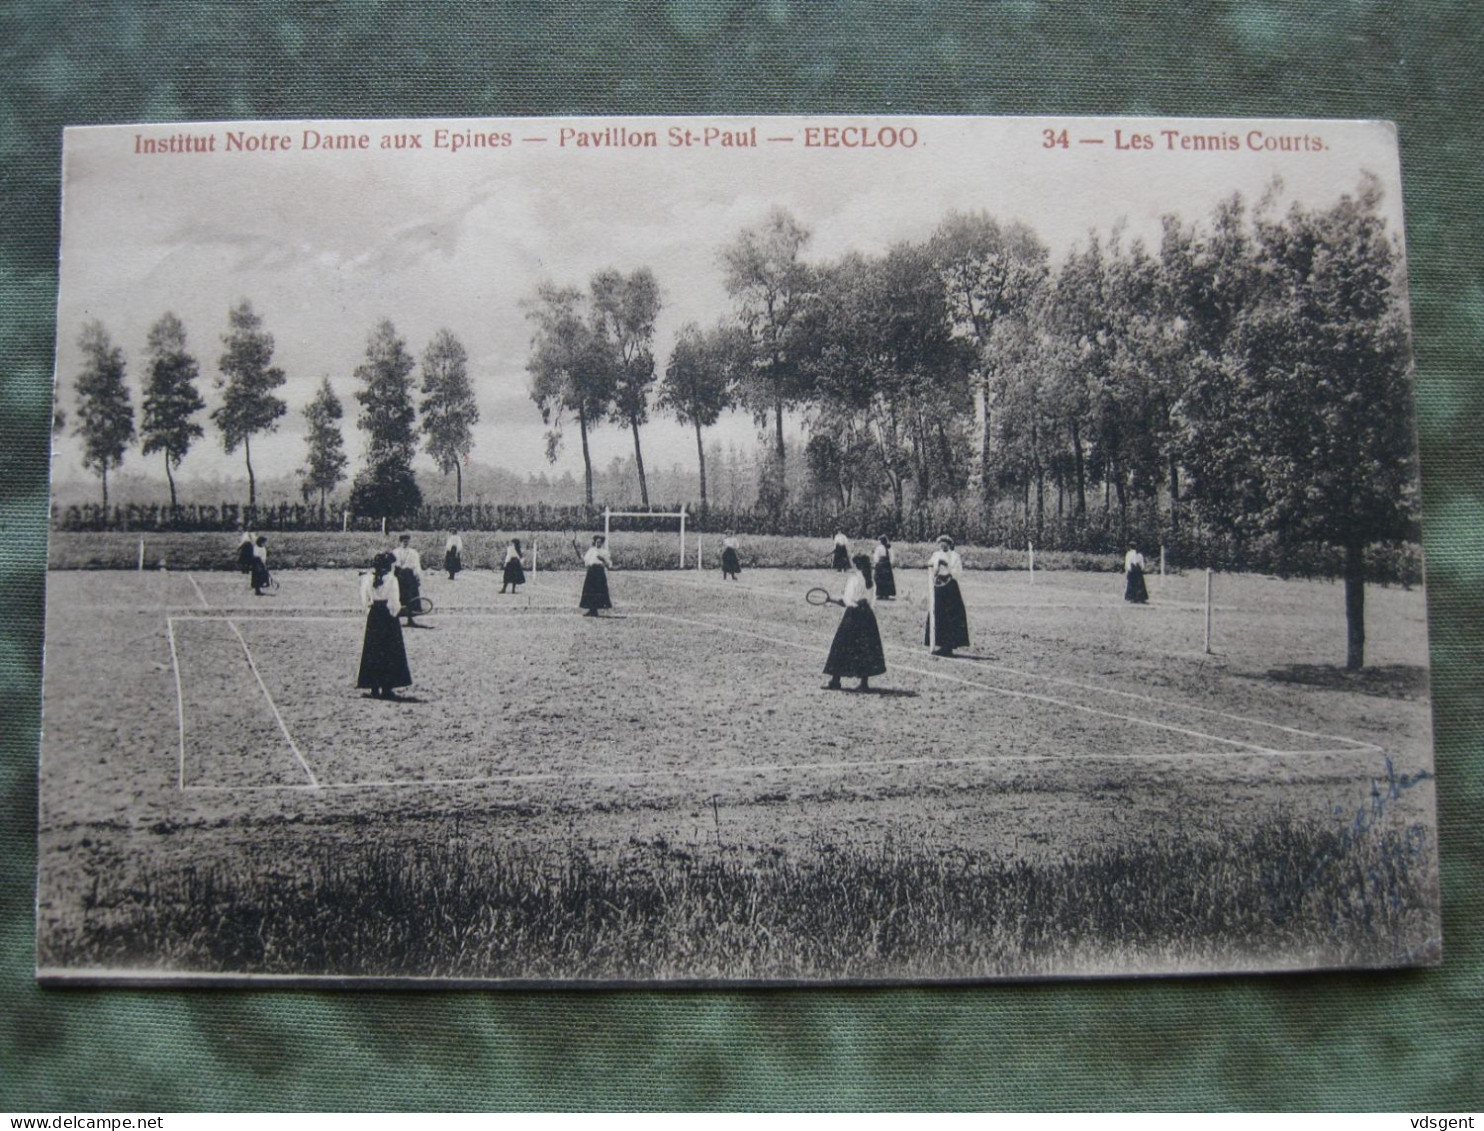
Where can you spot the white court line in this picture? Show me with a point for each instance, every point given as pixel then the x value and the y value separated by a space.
pixel 760 767
pixel 990 688
pixel 179 700
pixel 272 705
pixel 194 585
pixel 1136 695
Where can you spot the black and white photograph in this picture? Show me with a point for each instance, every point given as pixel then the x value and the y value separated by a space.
pixel 725 551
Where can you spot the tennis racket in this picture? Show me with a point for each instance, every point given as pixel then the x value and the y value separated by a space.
pixel 818 596
pixel 418 606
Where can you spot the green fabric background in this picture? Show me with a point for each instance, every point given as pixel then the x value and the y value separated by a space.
pixel 1356 1041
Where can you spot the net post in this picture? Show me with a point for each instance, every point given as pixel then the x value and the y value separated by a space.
pixel 1208 611
pixel 606 524
pixel 682 537
pixel 932 611
pixel 1030 548
pixel 533 556
pixel 344 521
pixel 1161 561
pixel 383 526
pixel 141 553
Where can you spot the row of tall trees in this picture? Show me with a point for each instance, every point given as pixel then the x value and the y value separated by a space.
pixel 249 406
pixel 1250 374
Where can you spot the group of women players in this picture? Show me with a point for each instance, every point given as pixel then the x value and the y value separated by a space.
pixel 855 652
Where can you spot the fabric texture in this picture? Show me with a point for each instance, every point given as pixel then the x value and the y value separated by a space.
pixel 1402 1040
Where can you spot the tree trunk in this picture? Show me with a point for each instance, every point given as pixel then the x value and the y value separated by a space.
pixel 701 458
pixel 252 484
pixel 105 492
pixel 1081 468
pixel 1355 605
pixel 1174 490
pixel 778 421
pixel 171 480
pixel 458 471
pixel 587 459
pixel 639 461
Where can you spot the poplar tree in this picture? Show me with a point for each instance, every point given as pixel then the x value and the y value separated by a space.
pixel 105 416
pixel 247 381
pixel 572 370
pixel 324 469
pixel 625 309
pixel 696 388
pixel 171 399
pixel 448 408
pixel 386 486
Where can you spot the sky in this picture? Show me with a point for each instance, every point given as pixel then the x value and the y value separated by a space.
pixel 326 243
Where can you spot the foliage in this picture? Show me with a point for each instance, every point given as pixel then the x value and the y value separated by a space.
pixel 105 416
pixel 572 368
pixel 170 397
pixel 771 288
pixel 325 463
pixel 448 407
pixel 624 309
pixel 697 386
pixel 247 381
pixel 386 486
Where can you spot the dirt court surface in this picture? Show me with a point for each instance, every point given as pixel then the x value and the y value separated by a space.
pixel 186 718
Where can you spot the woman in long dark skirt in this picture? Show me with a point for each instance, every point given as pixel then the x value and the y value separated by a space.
pixel 886 577
pixel 1134 589
pixel 245 552
pixel 731 564
pixel 261 578
pixel 453 554
pixel 513 575
pixel 840 558
pixel 383 654
pixel 856 650
pixel 948 626
pixel 595 585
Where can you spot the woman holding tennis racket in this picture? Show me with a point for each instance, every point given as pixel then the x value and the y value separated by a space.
pixel 731 565
pixel 383 654
pixel 886 578
pixel 513 575
pixel 948 620
pixel 407 568
pixel 595 585
pixel 856 650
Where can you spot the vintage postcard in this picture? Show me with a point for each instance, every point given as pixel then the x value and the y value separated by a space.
pixel 733 550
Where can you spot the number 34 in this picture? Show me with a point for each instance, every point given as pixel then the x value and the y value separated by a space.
pixel 1054 139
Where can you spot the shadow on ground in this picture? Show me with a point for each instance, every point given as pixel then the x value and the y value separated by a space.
pixel 1388 681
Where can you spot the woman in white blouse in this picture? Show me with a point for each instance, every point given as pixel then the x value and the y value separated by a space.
pixel 261 578
pixel 453 554
pixel 383 654
pixel 886 578
pixel 731 564
pixel 595 585
pixel 1134 589
pixel 856 650
pixel 840 558
pixel 948 625
pixel 513 573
